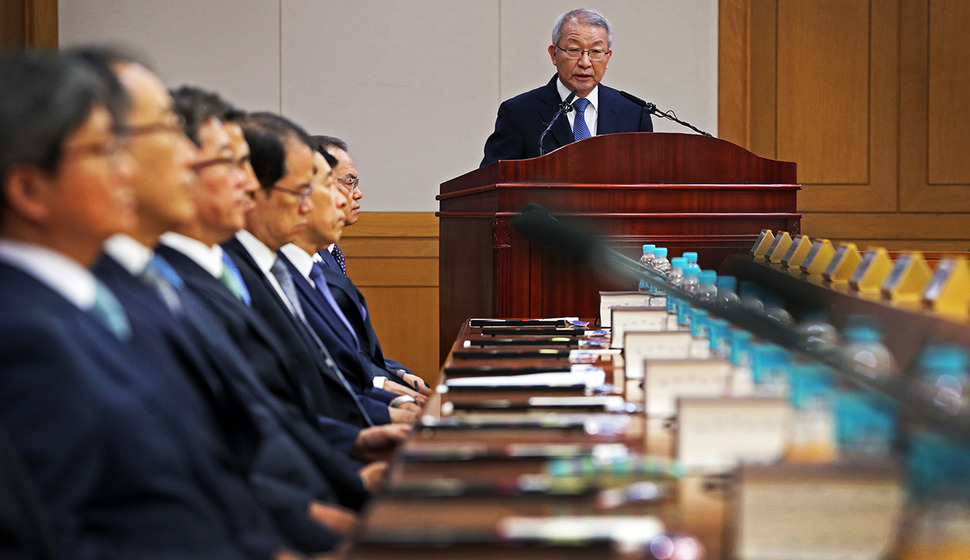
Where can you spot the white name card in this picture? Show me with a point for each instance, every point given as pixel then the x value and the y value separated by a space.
pixel 635 319
pixel 719 433
pixel 664 381
pixel 817 512
pixel 648 345
pixel 609 300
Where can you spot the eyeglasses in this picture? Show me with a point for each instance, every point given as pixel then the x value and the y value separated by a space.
pixel 575 53
pixel 351 182
pixel 200 165
pixel 238 163
pixel 303 193
pixel 111 149
pixel 173 123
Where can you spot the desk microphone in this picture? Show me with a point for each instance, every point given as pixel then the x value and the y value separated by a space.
pixel 653 110
pixel 564 107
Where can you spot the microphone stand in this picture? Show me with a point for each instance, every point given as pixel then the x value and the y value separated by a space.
pixel 564 107
pixel 653 110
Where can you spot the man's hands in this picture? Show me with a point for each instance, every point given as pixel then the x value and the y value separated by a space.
pixel 377 443
pixel 372 474
pixel 415 382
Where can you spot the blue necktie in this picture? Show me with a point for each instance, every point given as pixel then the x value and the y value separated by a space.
pixel 108 310
pixel 317 275
pixel 338 256
pixel 160 276
pixel 580 130
pixel 282 276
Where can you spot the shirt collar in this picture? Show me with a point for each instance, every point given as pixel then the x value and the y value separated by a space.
pixel 130 254
pixel 263 255
pixel 302 260
pixel 593 97
pixel 60 273
pixel 209 258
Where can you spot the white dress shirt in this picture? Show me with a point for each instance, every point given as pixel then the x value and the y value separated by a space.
pixel 59 272
pixel 592 110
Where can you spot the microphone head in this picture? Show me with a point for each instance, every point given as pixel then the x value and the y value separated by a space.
pixel 536 223
pixel 634 99
pixel 570 97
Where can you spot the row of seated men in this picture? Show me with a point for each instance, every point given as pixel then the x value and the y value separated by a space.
pixel 185 369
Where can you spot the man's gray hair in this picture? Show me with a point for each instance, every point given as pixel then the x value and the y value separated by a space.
pixel 587 16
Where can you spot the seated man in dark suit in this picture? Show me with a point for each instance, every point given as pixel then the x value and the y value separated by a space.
pixel 220 393
pixel 324 224
pixel 283 162
pixel 222 199
pixel 581 48
pixel 121 473
pixel 350 299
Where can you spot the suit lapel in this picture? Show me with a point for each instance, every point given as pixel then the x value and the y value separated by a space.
pixel 608 120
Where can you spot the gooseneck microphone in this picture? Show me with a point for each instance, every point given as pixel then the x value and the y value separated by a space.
pixel 653 110
pixel 564 107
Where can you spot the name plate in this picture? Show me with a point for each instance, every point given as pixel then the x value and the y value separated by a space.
pixel 817 512
pixel 609 300
pixel 646 345
pixel 636 319
pixel 665 381
pixel 719 433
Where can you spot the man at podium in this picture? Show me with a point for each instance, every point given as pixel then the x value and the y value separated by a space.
pixel 581 48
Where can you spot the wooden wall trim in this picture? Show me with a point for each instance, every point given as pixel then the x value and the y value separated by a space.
pixel 28 23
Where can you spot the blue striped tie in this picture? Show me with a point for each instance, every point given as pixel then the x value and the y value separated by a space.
pixel 580 129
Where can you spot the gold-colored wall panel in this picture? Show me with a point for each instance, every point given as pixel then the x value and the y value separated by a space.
pixel 949 82
pixel 925 232
pixel 823 89
pixel 934 175
pixel 393 258
pixel 406 320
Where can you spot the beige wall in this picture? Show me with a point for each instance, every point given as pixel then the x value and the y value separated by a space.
pixel 413 86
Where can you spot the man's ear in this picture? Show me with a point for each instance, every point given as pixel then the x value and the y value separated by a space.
pixel 552 54
pixel 26 190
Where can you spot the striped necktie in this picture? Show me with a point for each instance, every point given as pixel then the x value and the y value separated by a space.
pixel 580 128
pixel 233 280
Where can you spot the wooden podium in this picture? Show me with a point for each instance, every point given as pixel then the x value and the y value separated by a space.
pixel 681 191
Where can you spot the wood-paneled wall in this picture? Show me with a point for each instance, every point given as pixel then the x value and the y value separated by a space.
pixel 393 259
pixel 28 23
pixel 867 97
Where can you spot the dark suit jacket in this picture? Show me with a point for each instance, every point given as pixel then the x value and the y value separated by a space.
pixel 354 306
pixel 24 530
pixel 328 327
pixel 221 399
pixel 121 474
pixel 259 345
pixel 326 392
pixel 522 119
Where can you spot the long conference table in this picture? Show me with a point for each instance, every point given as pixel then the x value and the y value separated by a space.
pixel 492 472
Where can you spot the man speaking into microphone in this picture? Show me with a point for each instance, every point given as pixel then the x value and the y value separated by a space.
pixel 581 48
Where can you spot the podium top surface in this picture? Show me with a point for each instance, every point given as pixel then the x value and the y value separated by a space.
pixel 635 158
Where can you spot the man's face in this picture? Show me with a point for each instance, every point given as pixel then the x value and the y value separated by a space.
pixel 219 197
pixel 241 150
pixel 326 221
pixel 162 153
pixel 582 74
pixel 280 213
pixel 345 170
pixel 89 197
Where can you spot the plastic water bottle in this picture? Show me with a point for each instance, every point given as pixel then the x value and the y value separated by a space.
pixel 944 378
pixel 817 335
pixel 646 260
pixel 727 291
pixel 675 278
pixel 864 352
pixel 660 262
pixel 661 266
pixel 751 297
pixel 691 257
pixel 707 288
pixel 689 284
